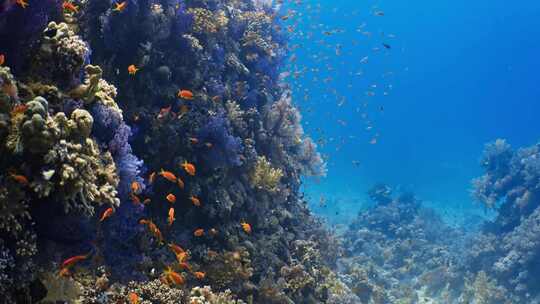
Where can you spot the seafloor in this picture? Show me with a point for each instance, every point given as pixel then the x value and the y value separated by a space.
pixel 150 153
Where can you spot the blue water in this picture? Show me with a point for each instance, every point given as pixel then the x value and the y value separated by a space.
pixel 461 73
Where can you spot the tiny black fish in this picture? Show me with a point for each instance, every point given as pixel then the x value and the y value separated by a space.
pixel 387 46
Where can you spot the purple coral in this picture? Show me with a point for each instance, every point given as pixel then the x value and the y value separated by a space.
pixel 111 129
pixel 226 148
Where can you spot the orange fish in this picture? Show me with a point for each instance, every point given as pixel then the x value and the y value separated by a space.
pixel 246 227
pixel 164 112
pixel 171 198
pixel 199 275
pixel 198 232
pixel 132 69
pixel 173 277
pixel 189 168
pixel 184 266
pixel 69 6
pixel 22 3
pixel 18 109
pixel 153 229
pixel 170 218
pixel 135 199
pixel 107 213
pixel 216 98
pixel 176 249
pixel 73 260
pixel 180 183
pixel 21 179
pixel 120 7
pixel 208 145
pixel 193 140
pixel 133 298
pixel 64 272
pixel 195 201
pixel 185 94
pixel 2 59
pixel 135 187
pixel 146 201
pixel 182 257
pixel 168 176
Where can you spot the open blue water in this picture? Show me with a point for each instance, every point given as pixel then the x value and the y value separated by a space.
pixel 458 74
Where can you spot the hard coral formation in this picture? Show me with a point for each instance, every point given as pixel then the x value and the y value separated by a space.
pixel 264 176
pixel 205 295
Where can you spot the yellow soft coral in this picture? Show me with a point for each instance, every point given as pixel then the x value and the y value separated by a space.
pixel 264 176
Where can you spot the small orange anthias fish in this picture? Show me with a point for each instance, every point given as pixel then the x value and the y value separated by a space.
pixel 2 59
pixel 135 187
pixel 168 176
pixel 64 272
pixel 21 179
pixel 193 140
pixel 171 198
pixel 120 7
pixel 185 94
pixel 195 201
pixel 133 298
pixel 182 257
pixel 73 260
pixel 22 3
pixel 153 229
pixel 246 227
pixel 189 168
pixel 132 69
pixel 172 277
pixel 69 6
pixel 107 213
pixel 170 218
pixel 184 266
pixel 176 249
pixel 198 232
pixel 199 275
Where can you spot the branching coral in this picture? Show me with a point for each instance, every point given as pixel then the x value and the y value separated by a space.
pixel 205 295
pixel 230 268
pixel 61 56
pixel 282 122
pixel 484 290
pixel 511 177
pixel 207 22
pixel 264 176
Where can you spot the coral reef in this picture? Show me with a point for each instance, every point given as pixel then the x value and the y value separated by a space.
pixel 202 114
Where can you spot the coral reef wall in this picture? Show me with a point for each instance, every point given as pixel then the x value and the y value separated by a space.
pixel 149 150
